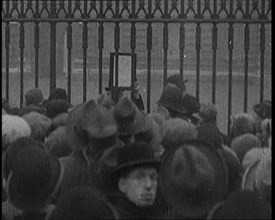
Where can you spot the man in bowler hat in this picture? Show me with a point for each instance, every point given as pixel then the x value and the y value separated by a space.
pixel 136 180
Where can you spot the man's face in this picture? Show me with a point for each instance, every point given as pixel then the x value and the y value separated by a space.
pixel 140 186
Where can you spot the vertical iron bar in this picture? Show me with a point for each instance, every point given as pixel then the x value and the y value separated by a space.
pixel 165 42
pixel 198 47
pixel 7 46
pixel 100 47
pixel 230 48
pixel 69 48
pixel 117 43
pixel 149 55
pixel 246 49
pixel 182 47
pixel 262 49
pixel 84 47
pixel 214 48
pixel 133 43
pixel 21 46
pixel 182 39
pixel 165 49
pixel 214 63
pixel 36 47
pixel 53 47
pixel 36 44
pixel 262 57
pixel 69 58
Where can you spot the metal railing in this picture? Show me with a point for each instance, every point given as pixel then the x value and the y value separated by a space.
pixel 182 12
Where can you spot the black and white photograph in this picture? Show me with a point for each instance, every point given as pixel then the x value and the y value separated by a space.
pixel 136 109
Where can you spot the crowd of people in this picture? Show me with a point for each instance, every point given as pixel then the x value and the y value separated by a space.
pixel 109 159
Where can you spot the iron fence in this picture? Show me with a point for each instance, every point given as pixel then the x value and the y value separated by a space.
pixel 149 12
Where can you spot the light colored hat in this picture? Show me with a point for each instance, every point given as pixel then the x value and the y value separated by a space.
pixel 40 125
pixel 13 127
pixel 252 156
pixel 175 131
pixel 258 176
pixel 243 143
pixel 263 175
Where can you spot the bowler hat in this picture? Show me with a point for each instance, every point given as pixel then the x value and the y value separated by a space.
pixel 193 178
pixel 134 155
pixel 34 96
pixel 171 98
pixel 129 119
pixel 263 109
pixel 176 80
pixel 34 178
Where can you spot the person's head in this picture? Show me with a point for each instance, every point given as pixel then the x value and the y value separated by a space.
pixel 260 112
pixel 137 173
pixel 176 131
pixel 177 80
pixel 34 97
pixel 241 123
pixel 208 112
pixel 243 143
pixel 34 179
pixel 130 121
pixel 82 203
pixel 115 93
pixel 13 127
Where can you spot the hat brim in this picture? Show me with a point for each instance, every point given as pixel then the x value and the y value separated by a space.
pixel 248 181
pixel 187 206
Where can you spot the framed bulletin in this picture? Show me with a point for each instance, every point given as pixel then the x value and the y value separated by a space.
pixel 122 72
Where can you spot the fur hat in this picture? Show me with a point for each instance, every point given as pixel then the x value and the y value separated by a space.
pixel 129 119
pixel 242 205
pixel 88 121
pixel 242 144
pixel 13 127
pixel 34 96
pixel 32 182
pixel 133 155
pixel 263 109
pixel 193 178
pixel 176 131
pixel 40 125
